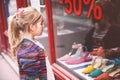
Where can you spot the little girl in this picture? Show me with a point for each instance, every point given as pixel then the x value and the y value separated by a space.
pixel 33 63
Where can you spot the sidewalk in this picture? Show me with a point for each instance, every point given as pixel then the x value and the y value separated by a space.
pixel 6 71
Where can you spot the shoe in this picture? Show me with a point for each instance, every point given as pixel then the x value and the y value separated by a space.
pixel 109 72
pixel 74 53
pixel 95 73
pixel 79 60
pixel 97 62
pixel 88 69
pixel 79 52
pixel 116 76
pixel 112 75
pixel 117 61
pixel 104 76
pixel 116 72
pixel 97 70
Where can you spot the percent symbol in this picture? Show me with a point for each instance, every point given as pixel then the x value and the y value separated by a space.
pixel 97 10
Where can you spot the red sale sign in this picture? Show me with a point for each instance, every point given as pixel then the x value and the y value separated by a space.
pixel 96 10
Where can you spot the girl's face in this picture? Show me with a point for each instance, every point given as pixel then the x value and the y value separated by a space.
pixel 38 27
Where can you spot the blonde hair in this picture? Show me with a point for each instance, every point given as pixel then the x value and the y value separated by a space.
pixel 19 23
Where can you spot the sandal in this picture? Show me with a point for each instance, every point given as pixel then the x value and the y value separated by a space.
pixel 96 64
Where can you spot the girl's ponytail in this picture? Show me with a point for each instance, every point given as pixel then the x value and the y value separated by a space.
pixel 14 34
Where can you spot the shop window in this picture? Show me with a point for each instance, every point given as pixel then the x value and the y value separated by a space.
pixel 70 27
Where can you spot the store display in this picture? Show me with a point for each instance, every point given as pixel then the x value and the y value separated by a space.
pixel 97 69
pixel 98 36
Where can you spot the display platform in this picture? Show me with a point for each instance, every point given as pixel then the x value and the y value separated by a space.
pixel 76 69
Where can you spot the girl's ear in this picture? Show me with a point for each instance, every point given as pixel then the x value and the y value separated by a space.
pixel 32 27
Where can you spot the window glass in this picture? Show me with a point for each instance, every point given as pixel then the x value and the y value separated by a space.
pixel 69 28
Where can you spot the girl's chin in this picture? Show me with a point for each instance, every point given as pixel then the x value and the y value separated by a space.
pixel 40 34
